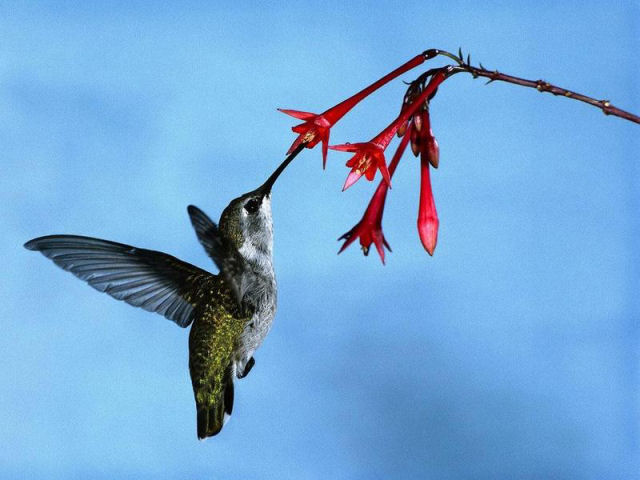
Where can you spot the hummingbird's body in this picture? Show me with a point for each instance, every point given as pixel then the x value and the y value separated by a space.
pixel 225 332
pixel 221 344
pixel 230 313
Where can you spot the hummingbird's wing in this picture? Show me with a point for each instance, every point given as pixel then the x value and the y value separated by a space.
pixel 143 278
pixel 222 252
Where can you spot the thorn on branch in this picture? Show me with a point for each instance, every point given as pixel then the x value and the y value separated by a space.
pixel 493 77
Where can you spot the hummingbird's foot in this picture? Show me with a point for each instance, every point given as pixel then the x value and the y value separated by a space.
pixel 247 368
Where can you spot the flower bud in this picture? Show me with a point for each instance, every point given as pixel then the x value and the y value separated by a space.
pixel 417 121
pixel 402 129
pixel 431 151
pixel 427 215
pixel 415 142
pixel 429 145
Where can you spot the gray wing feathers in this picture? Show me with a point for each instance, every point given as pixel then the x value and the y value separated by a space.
pixel 207 233
pixel 143 278
pixel 225 256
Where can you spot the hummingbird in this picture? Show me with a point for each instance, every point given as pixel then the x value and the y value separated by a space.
pixel 230 313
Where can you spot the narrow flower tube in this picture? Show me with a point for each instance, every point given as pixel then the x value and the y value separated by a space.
pixel 316 127
pixel 340 110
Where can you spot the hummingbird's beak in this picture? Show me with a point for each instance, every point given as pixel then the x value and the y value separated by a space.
pixel 265 189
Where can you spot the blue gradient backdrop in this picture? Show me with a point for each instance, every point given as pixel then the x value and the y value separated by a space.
pixel 513 353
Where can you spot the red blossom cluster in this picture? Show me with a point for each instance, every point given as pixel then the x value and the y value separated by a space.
pixel 412 124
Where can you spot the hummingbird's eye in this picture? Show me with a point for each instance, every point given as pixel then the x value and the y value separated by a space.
pixel 252 205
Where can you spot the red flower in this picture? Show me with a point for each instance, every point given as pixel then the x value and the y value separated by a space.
pixel 316 127
pixel 368 158
pixel 370 155
pixel 369 228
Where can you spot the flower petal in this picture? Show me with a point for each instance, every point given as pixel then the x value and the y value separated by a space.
pixel 298 114
pixel 295 143
pixel 347 147
pixel 370 172
pixel 301 128
pixel 377 241
pixel 325 148
pixel 382 165
pixel 352 178
pixel 349 238
pixel 386 244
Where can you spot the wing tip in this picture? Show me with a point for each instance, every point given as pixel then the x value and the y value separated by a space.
pixel 193 210
pixel 47 241
pixel 34 244
pixel 200 220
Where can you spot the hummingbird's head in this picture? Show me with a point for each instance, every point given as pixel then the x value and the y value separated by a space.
pixel 247 221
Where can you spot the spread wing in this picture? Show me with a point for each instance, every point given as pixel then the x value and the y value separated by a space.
pixel 222 252
pixel 143 278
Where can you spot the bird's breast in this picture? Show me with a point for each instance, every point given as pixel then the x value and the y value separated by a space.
pixel 263 300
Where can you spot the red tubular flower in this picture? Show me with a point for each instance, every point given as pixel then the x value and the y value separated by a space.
pixel 368 158
pixel 427 215
pixel 370 155
pixel 369 228
pixel 316 127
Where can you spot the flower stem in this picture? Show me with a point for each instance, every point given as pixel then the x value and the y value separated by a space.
pixel 375 208
pixel 540 85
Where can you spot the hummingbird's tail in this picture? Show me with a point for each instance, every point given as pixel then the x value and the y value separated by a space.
pixel 212 417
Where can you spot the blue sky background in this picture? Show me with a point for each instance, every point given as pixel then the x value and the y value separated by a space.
pixel 512 353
